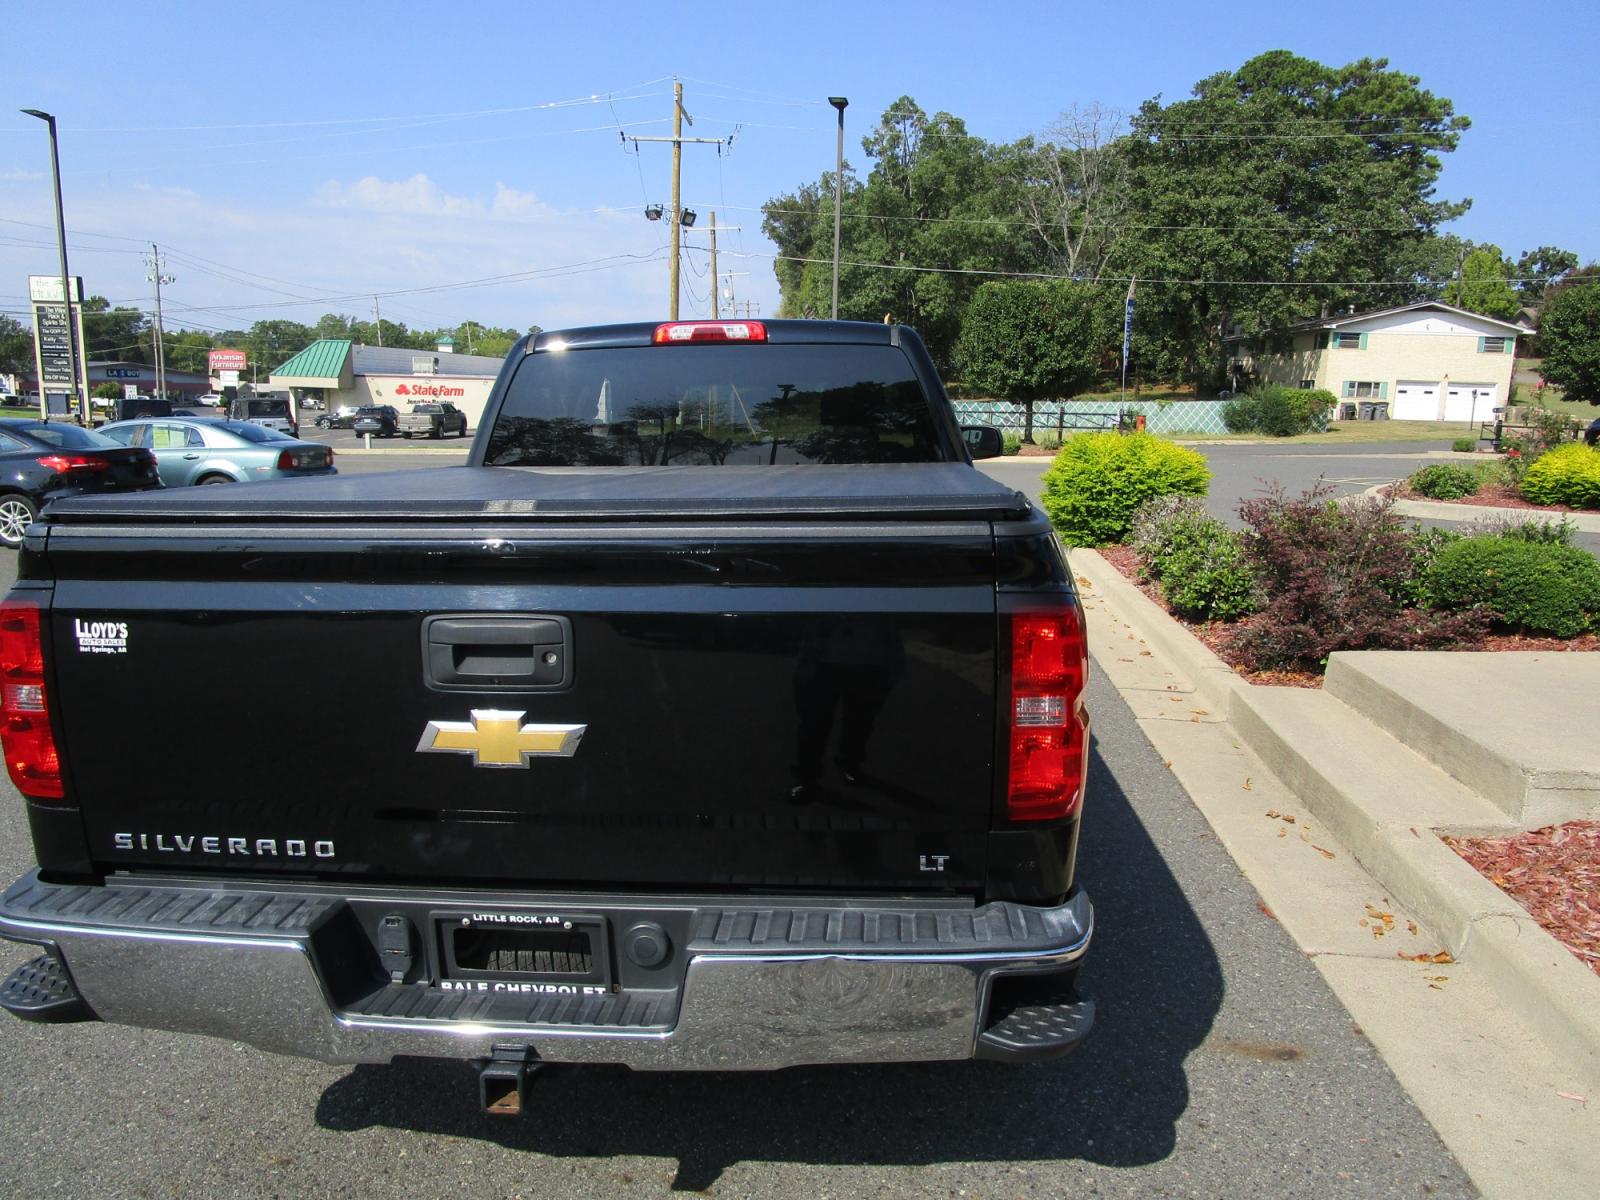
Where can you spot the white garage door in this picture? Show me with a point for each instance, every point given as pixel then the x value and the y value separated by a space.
pixel 1415 401
pixel 1469 401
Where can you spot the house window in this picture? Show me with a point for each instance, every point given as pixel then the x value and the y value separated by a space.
pixel 1492 345
pixel 1348 341
pixel 1307 384
pixel 1359 389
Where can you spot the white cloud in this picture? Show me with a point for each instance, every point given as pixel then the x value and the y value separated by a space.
pixel 239 259
pixel 418 196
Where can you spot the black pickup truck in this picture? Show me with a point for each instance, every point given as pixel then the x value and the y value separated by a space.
pixel 718 714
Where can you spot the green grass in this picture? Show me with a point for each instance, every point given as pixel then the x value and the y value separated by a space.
pixel 1352 433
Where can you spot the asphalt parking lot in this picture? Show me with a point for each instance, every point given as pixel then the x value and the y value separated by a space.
pixel 1221 1066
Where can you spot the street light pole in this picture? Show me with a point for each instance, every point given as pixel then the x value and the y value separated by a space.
pixel 81 403
pixel 841 103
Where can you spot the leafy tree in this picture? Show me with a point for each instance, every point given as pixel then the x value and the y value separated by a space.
pixel 114 333
pixel 332 325
pixel 16 346
pixel 1075 192
pixel 1483 287
pixel 1285 171
pixel 1538 269
pixel 1032 341
pixel 1569 332
pixel 187 350
pixel 106 391
pixel 794 222
pixel 272 343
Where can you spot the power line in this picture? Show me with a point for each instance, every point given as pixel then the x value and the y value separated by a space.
pixel 1121 279
pixel 591 98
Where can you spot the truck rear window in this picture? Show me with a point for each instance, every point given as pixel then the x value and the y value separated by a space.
pixel 714 405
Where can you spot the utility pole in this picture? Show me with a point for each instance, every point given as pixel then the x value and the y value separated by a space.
pixel 677 208
pixel 158 278
pixel 678 223
pixel 377 319
pixel 714 312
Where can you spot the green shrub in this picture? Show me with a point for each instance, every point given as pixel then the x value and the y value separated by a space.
pixel 1160 525
pixel 1097 481
pixel 1198 560
pixel 1568 475
pixel 1464 445
pixel 1546 431
pixel 1209 578
pixel 1242 414
pixel 1523 529
pixel 1279 411
pixel 1010 443
pixel 1536 587
pixel 1445 481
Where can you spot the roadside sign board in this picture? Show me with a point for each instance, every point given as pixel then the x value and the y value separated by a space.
pixel 227 360
pixel 228 378
pixel 46 289
pixel 53 335
pixel 130 391
pixel 58 342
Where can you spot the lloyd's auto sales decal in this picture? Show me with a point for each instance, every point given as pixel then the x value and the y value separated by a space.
pixel 100 637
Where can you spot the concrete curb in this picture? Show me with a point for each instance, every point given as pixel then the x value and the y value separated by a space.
pixel 1534 975
pixel 1433 510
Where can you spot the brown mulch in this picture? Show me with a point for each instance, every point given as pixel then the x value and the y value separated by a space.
pixel 1552 872
pixel 1219 637
pixel 1491 495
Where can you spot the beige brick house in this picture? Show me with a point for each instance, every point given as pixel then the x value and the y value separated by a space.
pixel 1419 362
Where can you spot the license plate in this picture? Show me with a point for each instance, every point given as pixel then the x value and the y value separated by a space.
pixel 519 950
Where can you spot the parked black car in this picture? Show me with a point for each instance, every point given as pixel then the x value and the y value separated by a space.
pixel 42 462
pixel 381 419
pixel 342 417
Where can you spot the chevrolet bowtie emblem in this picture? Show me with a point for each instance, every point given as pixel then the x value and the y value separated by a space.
pixel 500 739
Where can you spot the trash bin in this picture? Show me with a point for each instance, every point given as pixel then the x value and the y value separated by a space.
pixel 1347 412
pixel 1367 411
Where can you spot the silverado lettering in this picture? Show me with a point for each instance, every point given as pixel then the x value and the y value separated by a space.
pixel 827 676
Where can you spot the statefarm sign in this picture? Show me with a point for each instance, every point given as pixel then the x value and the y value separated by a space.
pixel 429 391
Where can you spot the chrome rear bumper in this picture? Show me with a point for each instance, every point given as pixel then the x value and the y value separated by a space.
pixel 860 981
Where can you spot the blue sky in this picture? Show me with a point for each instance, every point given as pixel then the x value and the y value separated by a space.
pixel 294 159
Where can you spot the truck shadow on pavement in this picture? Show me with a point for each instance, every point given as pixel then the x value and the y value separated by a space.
pixel 1153 973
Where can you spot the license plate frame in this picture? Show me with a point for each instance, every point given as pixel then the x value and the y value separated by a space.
pixel 596 980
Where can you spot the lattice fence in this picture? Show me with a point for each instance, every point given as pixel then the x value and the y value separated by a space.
pixel 1180 416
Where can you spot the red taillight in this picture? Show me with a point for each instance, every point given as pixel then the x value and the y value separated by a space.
pixel 61 464
pixel 680 332
pixel 30 748
pixel 1049 730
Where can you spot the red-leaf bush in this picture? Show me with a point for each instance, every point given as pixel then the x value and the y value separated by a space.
pixel 1338 576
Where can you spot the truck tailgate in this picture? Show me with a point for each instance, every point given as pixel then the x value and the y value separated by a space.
pixel 799 702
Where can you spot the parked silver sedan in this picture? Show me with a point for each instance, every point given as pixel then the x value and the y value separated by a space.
pixel 197 450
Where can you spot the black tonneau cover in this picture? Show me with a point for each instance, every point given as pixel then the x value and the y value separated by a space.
pixel 915 491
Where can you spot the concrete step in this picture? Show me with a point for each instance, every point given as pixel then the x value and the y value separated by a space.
pixel 1537 760
pixel 1351 773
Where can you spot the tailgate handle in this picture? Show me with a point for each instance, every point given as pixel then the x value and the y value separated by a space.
pixel 499 653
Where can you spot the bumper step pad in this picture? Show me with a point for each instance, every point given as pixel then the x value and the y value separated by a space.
pixel 42 990
pixel 1033 1032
